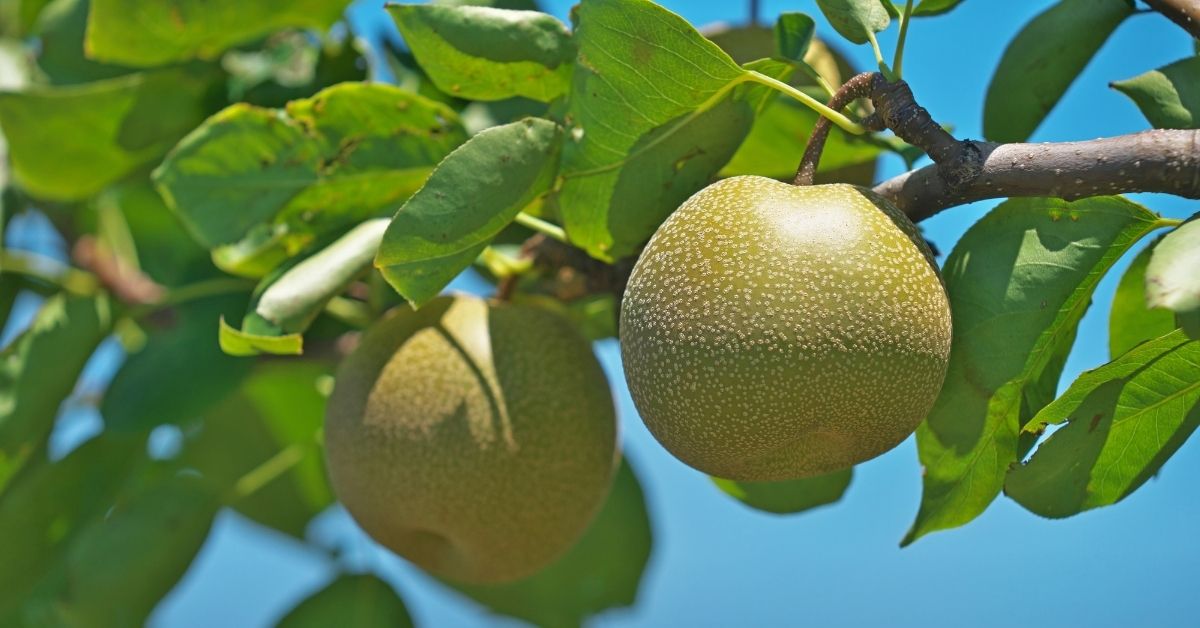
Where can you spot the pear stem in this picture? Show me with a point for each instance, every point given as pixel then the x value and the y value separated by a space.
pixel 859 86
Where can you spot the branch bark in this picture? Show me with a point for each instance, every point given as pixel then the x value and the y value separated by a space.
pixel 1185 13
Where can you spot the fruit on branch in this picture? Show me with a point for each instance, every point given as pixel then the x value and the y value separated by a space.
pixel 477 441
pixel 771 331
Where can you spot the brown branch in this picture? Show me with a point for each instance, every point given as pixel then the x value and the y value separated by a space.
pixel 1166 161
pixel 1185 13
pixel 859 86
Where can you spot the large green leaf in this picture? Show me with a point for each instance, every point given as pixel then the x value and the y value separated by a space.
pixel 1124 420
pixel 1019 281
pixel 280 179
pixel 1131 322
pixel 360 600
pixel 1043 60
pixel 474 193
pixel 1169 97
pixel 140 33
pixel 42 512
pixel 67 143
pixel 483 53
pixel 117 570
pixel 655 110
pixel 1172 280
pixel 60 30
pixel 602 571
pixel 856 20
pixel 271 425
pixel 789 496
pixel 179 374
pixel 40 368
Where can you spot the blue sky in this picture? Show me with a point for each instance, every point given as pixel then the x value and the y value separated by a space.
pixel 716 563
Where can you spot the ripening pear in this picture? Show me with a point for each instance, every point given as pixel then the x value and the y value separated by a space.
pixel 772 331
pixel 477 441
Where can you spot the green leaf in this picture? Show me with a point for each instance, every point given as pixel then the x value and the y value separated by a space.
pixel 934 7
pixel 856 20
pixel 179 374
pixel 45 509
pixel 1043 60
pixel 17 16
pixel 60 31
pixel 241 343
pixel 472 195
pixel 1131 322
pixel 1019 281
pixel 1124 420
pixel 791 496
pixel 793 35
pixel 1171 278
pixel 482 53
pixel 293 300
pixel 363 601
pixel 139 33
pixel 39 369
pixel 655 110
pixel 165 250
pixel 1169 97
pixel 117 570
pixel 272 423
pixel 770 148
pixel 352 152
pixel 67 143
pixel 602 571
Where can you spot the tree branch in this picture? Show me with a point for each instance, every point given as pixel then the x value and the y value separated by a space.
pixel 1185 13
pixel 1166 161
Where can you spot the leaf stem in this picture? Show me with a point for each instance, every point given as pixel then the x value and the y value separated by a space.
pixel 194 291
pixel 269 470
pixel 846 124
pixel 49 270
pixel 898 60
pixel 541 226
pixel 883 66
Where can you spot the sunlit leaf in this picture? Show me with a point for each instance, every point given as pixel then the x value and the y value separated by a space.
pixel 793 35
pixel 234 341
pixel 1172 280
pixel 855 20
pixel 352 152
pixel 1169 97
pixel 473 194
pixel 67 143
pixel 1043 60
pixel 1124 421
pixel 1019 281
pixel 139 33
pixel 483 53
pixel 789 496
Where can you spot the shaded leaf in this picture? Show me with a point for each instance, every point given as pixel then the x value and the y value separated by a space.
pixel 282 178
pixel 60 31
pixel 935 7
pixel 855 20
pixel 1131 322
pixel 179 374
pixel 793 35
pixel 1019 281
pixel 602 571
pixel 1124 420
pixel 471 196
pixel 67 143
pixel 790 496
pixel 39 369
pixel 138 33
pixel 165 250
pixel 484 53
pixel 655 110
pixel 272 423
pixel 1169 97
pixel 1172 280
pixel 335 62
pixel 352 600
pixel 1043 60
pixel 46 508
pixel 117 570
